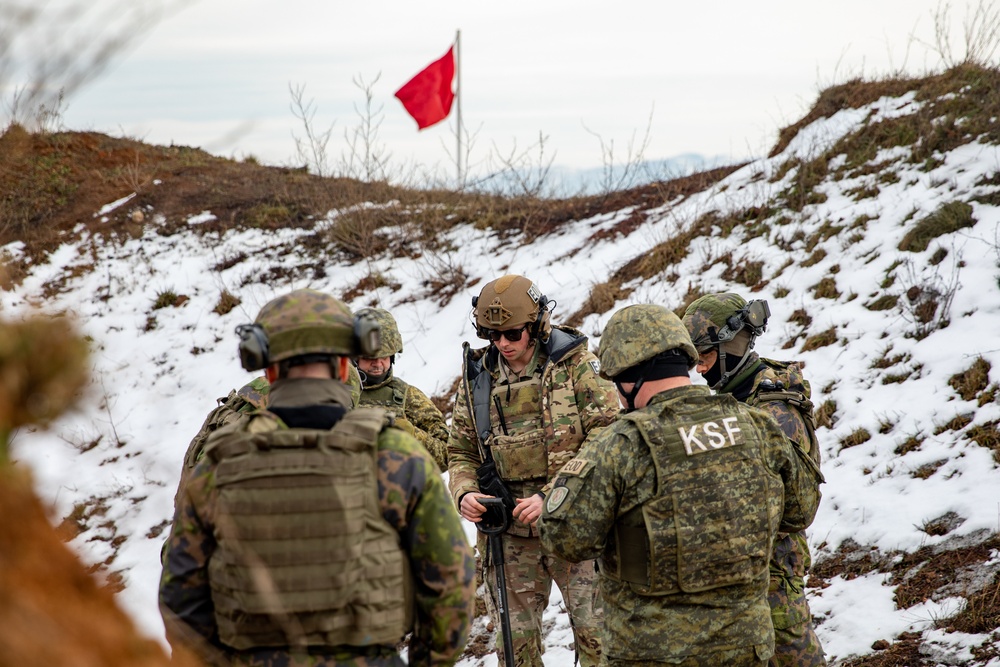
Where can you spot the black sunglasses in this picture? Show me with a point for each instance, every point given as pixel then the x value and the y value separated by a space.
pixel 513 335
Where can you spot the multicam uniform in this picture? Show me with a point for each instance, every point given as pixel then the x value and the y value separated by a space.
pixel 779 389
pixel 412 405
pixel 259 561
pixel 681 499
pixel 548 410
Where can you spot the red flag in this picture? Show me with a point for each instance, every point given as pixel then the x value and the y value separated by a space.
pixel 428 96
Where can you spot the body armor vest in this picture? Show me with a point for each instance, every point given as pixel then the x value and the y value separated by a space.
pixel 391 396
pixel 305 557
pixel 781 382
pixel 518 443
pixel 717 507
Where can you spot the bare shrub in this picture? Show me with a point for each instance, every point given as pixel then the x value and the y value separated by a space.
pixel 311 149
pixel 927 298
pixel 980 32
pixel 365 158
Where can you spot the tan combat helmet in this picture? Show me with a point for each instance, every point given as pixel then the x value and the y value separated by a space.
pixel 305 324
pixel 510 302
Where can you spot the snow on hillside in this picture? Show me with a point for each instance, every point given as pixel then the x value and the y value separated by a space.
pixel 157 372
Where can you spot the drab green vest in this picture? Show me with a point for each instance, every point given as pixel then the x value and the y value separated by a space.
pixel 716 510
pixel 305 557
pixel 391 395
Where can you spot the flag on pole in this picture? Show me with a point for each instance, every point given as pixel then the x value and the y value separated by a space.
pixel 428 96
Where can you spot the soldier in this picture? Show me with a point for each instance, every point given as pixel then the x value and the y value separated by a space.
pixel 680 498
pixel 238 405
pixel 525 404
pixel 724 328
pixel 380 387
pixel 311 533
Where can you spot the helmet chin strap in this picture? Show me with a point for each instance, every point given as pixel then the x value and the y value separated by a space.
pixel 630 395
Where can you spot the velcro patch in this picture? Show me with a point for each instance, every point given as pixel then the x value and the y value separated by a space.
pixel 577 468
pixel 711 435
pixel 596 366
pixel 556 498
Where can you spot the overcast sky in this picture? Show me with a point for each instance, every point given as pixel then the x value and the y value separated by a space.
pixel 715 78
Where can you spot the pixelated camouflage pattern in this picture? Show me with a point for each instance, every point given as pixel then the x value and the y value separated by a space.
pixel 534 570
pixel 392 341
pixel 614 474
pixel 638 333
pixel 796 642
pixel 574 403
pixel 412 408
pixel 507 302
pixel 413 499
pixel 306 321
pixel 710 312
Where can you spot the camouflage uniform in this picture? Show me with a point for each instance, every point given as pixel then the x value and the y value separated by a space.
pixel 412 405
pixel 310 533
pixel 413 500
pixel 680 499
pixel 779 389
pixel 566 401
pixel 239 404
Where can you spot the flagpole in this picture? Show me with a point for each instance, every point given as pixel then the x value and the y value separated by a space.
pixel 458 104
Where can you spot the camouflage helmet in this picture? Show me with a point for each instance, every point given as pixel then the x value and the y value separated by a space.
pixel 392 342
pixel 510 302
pixel 638 333
pixel 711 312
pixel 306 322
pixel 717 318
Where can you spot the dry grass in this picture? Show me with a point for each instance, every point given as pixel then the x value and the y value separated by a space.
pixel 973 380
pixel 948 218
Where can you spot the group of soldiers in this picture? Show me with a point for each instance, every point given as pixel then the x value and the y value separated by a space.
pixel 312 525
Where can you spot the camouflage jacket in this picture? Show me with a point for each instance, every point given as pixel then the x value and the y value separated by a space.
pixel 667 474
pixel 412 405
pixel 779 389
pixel 238 405
pixel 413 499
pixel 565 367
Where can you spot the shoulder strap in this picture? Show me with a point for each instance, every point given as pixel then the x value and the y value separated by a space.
pixel 399 392
pixel 363 425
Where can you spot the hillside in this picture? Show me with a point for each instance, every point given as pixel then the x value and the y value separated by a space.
pixel 871 229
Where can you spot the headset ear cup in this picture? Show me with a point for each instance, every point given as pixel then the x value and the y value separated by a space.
pixel 254 347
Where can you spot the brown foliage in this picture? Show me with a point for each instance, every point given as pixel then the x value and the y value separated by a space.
pixel 52 612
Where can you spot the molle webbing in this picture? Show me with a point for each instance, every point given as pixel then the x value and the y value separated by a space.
pixel 797 400
pixel 391 395
pixel 304 556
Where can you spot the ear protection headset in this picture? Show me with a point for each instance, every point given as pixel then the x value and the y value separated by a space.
pixel 754 315
pixel 254 347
